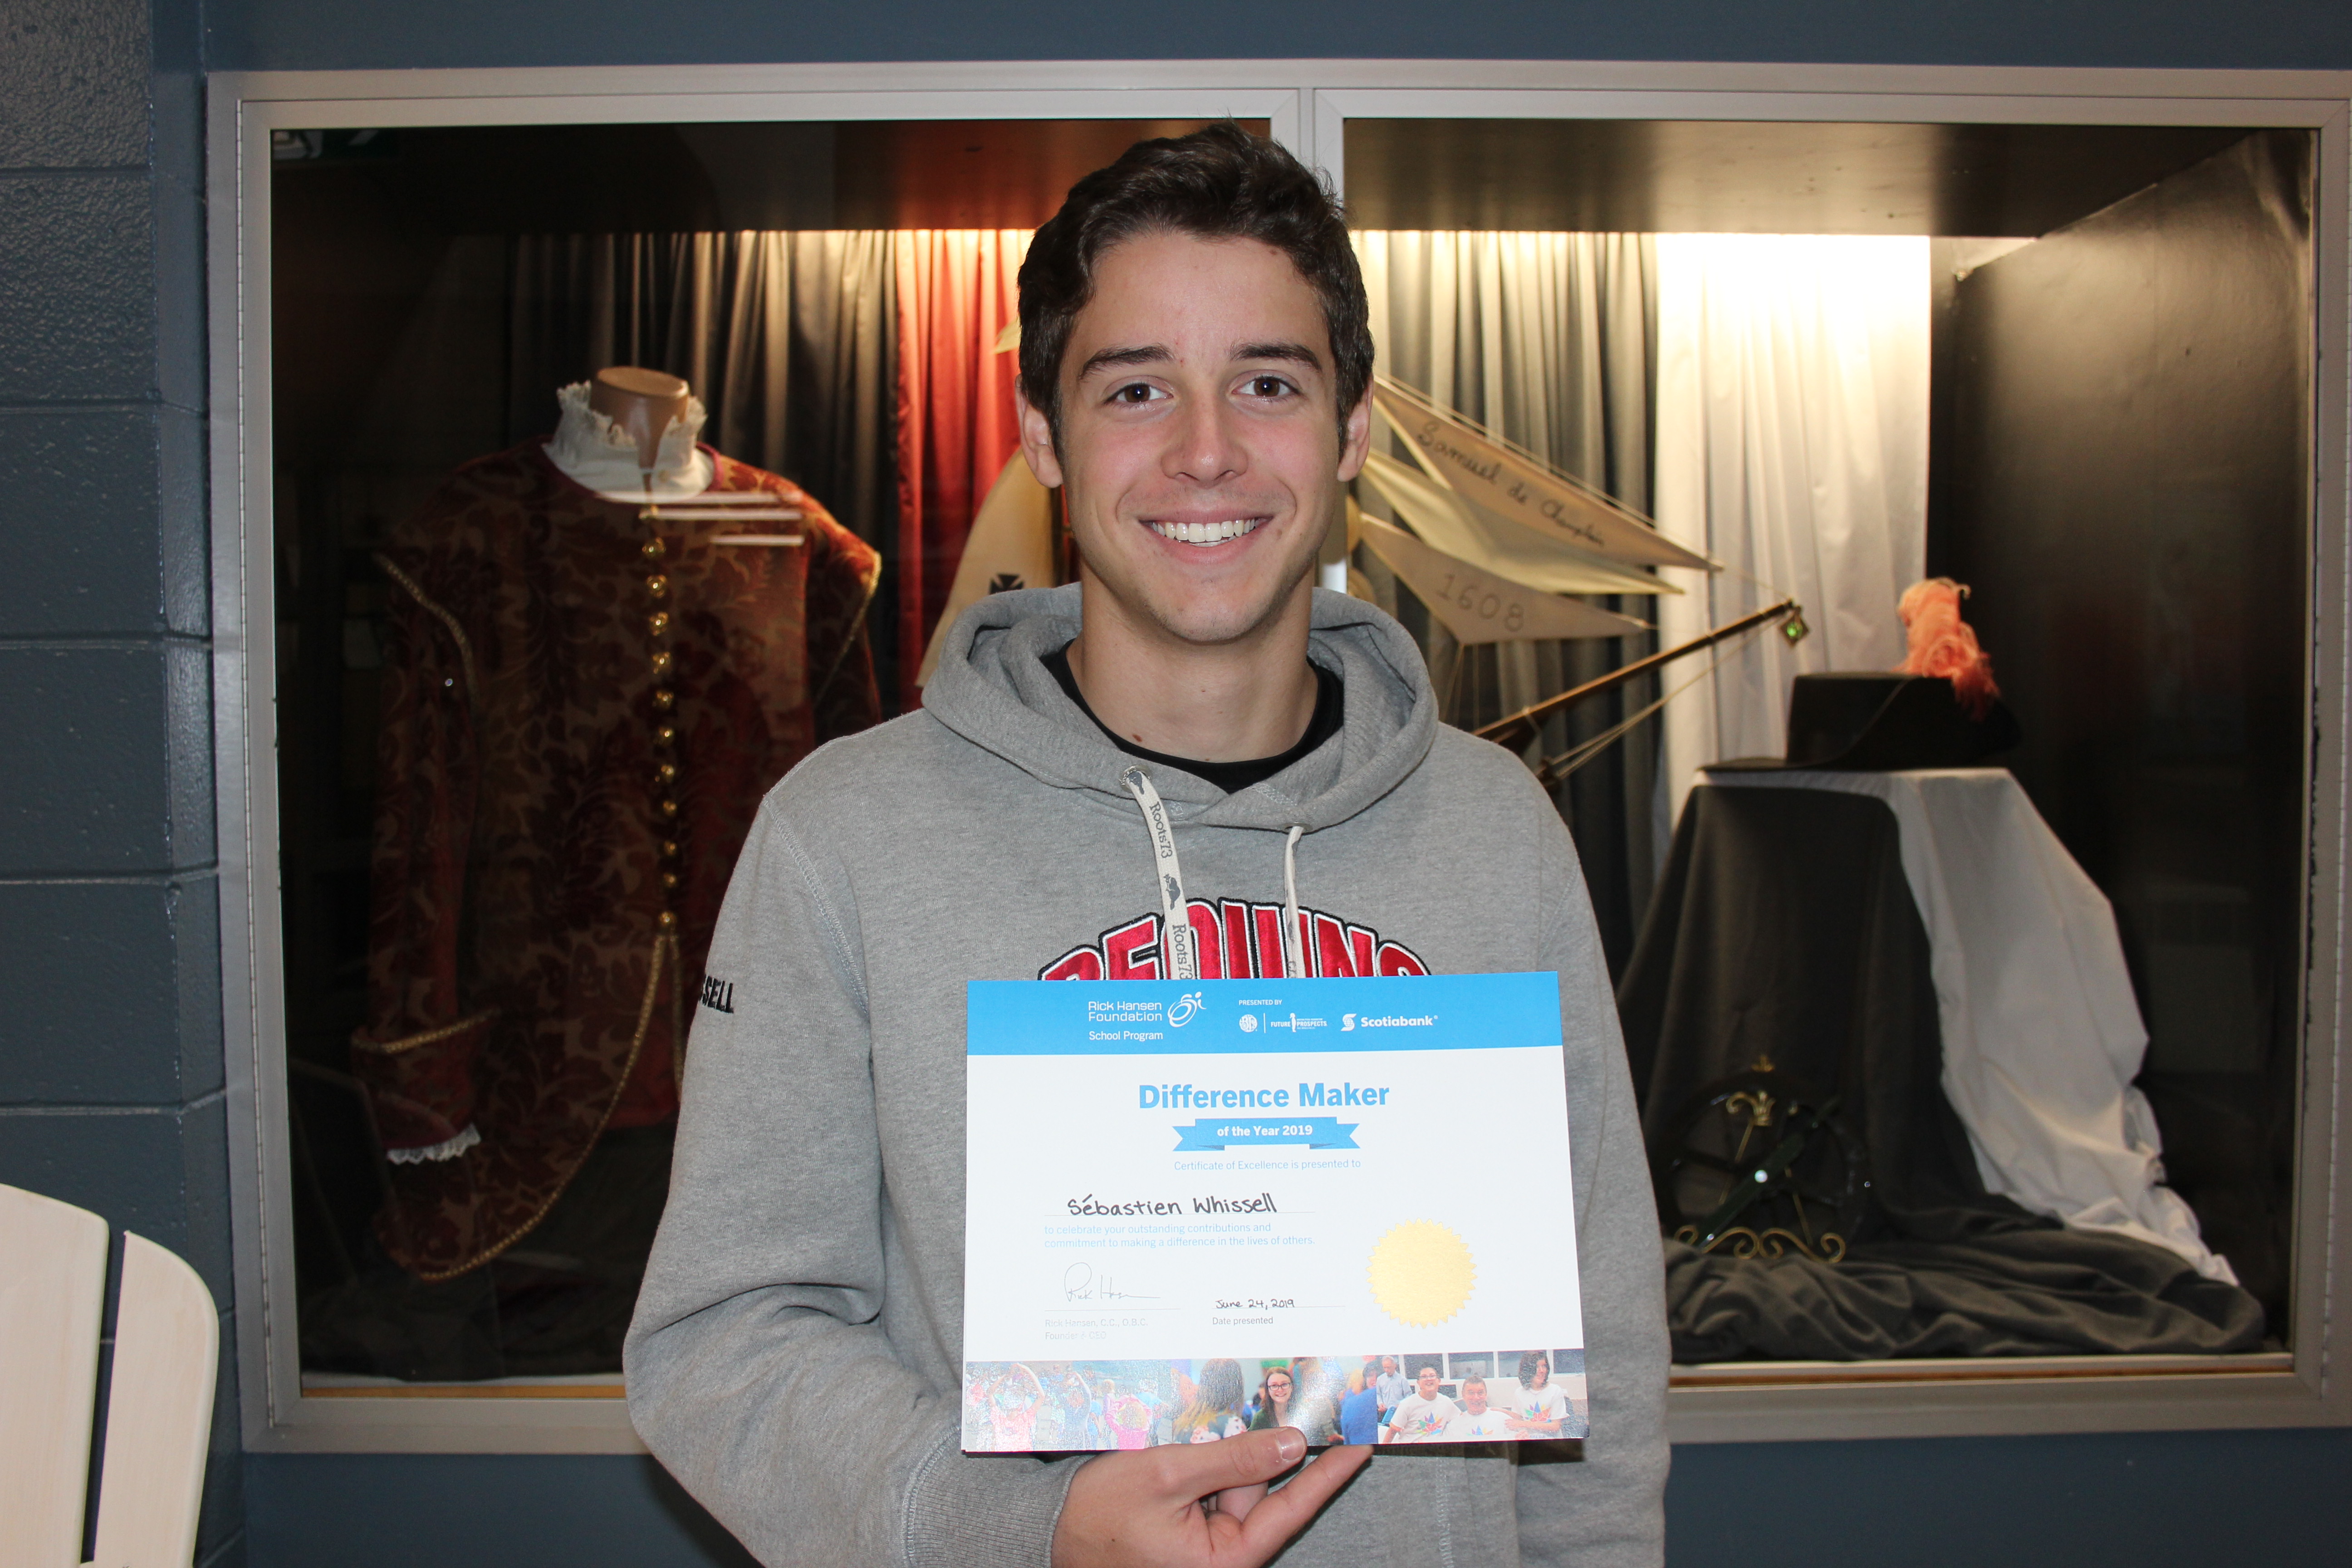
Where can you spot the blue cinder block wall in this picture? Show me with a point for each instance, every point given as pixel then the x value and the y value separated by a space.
pixel 111 1068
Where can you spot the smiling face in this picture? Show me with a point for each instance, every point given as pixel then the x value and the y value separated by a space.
pixel 1202 446
pixel 1427 1383
pixel 1473 1396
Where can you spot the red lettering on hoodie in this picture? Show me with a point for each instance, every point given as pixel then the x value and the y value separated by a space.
pixel 1207 940
pixel 1078 964
pixel 1238 940
pixel 1342 949
pixel 1266 921
pixel 1241 958
pixel 1132 951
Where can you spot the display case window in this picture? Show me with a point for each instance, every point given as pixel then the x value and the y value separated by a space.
pixel 2033 1098
pixel 612 468
pixel 616 469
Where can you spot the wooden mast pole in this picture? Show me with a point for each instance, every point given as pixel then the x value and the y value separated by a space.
pixel 1515 731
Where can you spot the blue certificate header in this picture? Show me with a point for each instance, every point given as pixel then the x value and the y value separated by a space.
pixel 1258 1017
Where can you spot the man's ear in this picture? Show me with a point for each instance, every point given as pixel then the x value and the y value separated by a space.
pixel 1037 441
pixel 1356 438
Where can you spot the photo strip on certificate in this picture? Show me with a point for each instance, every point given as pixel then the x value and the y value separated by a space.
pixel 1198 1208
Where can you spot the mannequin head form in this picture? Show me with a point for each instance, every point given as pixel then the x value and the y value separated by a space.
pixel 641 402
pixel 632 436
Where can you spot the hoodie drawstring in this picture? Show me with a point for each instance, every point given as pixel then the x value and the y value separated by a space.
pixel 1179 942
pixel 1294 960
pixel 1179 947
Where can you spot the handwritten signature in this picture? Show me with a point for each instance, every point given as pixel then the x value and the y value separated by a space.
pixel 1078 1284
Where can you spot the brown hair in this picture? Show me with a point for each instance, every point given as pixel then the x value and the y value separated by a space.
pixel 1218 183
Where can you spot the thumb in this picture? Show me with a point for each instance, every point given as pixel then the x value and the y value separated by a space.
pixel 1250 1459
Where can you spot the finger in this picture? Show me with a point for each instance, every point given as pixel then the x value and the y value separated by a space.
pixel 1250 1459
pixel 1236 1502
pixel 1287 1512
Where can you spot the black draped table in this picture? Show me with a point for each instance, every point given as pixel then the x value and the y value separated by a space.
pixel 1787 937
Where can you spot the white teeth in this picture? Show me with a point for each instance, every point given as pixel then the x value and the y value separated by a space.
pixel 1207 532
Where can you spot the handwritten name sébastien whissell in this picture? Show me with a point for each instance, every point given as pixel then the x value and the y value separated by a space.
pixel 1093 1207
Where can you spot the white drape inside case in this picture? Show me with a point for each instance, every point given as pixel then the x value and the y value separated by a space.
pixel 1791 447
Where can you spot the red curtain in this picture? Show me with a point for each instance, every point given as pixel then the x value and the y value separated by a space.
pixel 956 424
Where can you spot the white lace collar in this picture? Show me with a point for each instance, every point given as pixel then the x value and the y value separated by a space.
pixel 594 451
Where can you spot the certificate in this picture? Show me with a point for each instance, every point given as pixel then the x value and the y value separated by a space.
pixel 1195 1207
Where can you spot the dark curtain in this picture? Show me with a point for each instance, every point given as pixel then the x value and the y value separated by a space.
pixel 1550 341
pixel 789 338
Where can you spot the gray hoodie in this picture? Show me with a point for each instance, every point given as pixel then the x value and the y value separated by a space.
pixel 797 1355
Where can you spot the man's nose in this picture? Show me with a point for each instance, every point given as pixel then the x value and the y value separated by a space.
pixel 1204 445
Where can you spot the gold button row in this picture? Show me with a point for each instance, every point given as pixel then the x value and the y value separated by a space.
pixel 657 627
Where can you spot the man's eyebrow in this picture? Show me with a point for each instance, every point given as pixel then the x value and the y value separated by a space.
pixel 1293 354
pixel 1111 359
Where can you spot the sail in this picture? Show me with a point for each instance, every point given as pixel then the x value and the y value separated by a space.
pixel 1011 546
pixel 1444 519
pixel 1482 607
pixel 1524 490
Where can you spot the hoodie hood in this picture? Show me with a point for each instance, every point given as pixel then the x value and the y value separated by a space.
pixel 993 688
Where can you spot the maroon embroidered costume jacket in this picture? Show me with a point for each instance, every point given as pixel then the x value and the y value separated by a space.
pixel 583 707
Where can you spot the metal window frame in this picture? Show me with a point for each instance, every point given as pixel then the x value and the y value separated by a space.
pixel 1308 104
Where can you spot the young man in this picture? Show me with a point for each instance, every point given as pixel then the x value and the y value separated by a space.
pixel 1195 368
pixel 1477 1423
pixel 1424 1414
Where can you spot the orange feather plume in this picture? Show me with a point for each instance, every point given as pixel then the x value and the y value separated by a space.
pixel 1943 644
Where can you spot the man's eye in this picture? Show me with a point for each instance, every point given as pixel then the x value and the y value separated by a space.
pixel 1135 392
pixel 1268 386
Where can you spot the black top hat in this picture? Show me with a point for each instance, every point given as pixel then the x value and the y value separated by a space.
pixel 1867 722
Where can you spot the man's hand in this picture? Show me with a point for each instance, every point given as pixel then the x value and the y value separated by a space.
pixel 1158 1507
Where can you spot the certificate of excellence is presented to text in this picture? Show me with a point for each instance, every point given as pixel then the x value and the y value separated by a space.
pixel 1196 1207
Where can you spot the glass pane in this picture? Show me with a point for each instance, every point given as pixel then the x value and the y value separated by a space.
pixel 2068 367
pixel 534 678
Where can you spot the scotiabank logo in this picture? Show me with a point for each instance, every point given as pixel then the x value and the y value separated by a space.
pixel 1239 942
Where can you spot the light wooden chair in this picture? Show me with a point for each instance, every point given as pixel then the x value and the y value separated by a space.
pixel 159 1412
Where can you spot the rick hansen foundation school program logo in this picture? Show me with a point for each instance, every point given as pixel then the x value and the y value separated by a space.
pixel 1239 941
